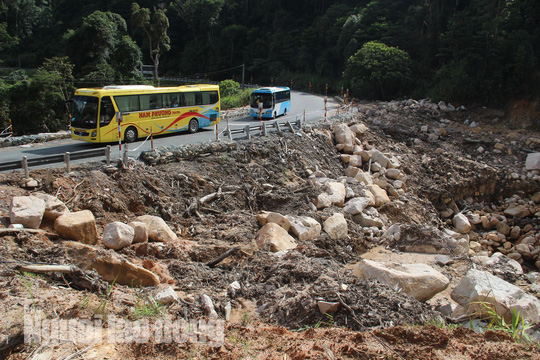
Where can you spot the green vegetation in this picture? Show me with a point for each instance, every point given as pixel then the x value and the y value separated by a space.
pixel 147 308
pixel 380 68
pixel 477 51
pixel 232 96
pixel 517 328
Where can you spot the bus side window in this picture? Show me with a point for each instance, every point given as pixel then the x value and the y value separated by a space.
pixel 209 97
pixel 190 99
pixel 198 98
pixel 107 112
pixel 181 99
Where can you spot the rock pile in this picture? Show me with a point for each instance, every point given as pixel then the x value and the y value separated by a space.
pixel 80 226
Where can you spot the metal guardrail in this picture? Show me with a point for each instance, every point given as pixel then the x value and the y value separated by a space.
pixel 262 129
pixel 25 163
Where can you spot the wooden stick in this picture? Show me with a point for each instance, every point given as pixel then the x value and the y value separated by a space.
pixel 41 269
pixel 222 257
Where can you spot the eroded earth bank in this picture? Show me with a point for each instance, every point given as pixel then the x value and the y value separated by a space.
pixel 378 235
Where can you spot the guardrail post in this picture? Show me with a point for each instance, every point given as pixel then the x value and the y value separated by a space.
pixel 48 178
pixel 108 154
pixel 25 167
pixel 67 160
pixel 276 125
pixel 289 125
pixel 264 132
pixel 246 130
pixel 125 156
pixel 299 123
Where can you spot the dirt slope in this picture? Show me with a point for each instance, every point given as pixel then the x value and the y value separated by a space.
pixel 274 313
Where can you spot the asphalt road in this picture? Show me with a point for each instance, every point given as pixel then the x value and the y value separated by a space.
pixel 312 104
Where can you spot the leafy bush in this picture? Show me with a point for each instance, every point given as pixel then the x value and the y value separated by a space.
pixel 240 99
pixel 380 68
pixel 228 88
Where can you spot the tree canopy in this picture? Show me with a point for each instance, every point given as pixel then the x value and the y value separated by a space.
pixel 462 51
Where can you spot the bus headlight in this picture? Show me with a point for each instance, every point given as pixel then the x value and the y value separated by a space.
pixel 94 133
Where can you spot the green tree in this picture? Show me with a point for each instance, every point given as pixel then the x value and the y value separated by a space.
pixel 228 88
pixel 96 45
pixel 6 40
pixel 155 27
pixel 383 67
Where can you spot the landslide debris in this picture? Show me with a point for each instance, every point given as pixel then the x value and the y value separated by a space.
pixel 211 203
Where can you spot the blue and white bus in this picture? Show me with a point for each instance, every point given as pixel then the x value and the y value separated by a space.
pixel 275 101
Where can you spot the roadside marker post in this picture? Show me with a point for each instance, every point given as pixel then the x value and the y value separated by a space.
pixel 325 101
pixel 260 114
pixel 119 119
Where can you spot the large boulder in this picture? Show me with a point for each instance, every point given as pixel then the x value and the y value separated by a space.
pixel 274 238
pixel 140 232
pixel 420 281
pixel 533 161
pixel 358 129
pixel 461 223
pixel 344 135
pixel 379 157
pixel 430 240
pixel 265 217
pixel 479 289
pixel 369 218
pixel 323 200
pixel 54 208
pixel 109 266
pixel 26 210
pixel 158 230
pixel 519 211
pixel 117 235
pixel 358 204
pixel 337 192
pixel 380 195
pixel 79 226
pixel 305 228
pixel 336 226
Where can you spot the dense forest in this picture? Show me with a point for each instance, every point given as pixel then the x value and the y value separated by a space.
pixel 464 51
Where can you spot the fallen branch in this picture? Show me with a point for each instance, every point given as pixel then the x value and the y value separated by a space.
pixel 214 195
pixel 43 269
pixel 222 257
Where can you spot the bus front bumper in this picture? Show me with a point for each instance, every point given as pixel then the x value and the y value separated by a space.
pixel 89 135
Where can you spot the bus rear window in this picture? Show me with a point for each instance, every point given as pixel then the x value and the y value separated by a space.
pixel 127 103
pixel 192 98
pixel 209 97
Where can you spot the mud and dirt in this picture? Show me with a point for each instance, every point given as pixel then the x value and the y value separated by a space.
pixel 274 311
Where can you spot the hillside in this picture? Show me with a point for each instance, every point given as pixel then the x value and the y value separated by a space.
pixel 297 215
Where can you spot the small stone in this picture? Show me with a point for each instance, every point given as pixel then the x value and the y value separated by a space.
pixel 461 223
pixel 117 235
pixel 326 307
pixel 166 296
pixel 443 260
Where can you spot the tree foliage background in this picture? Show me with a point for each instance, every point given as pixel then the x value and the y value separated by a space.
pixel 483 51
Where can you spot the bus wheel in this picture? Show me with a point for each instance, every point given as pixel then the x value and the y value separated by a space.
pixel 193 126
pixel 285 112
pixel 130 135
pixel 275 115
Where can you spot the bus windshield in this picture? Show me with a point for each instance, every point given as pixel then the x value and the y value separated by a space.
pixel 84 112
pixel 265 98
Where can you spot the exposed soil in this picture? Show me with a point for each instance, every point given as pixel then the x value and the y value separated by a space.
pixel 274 313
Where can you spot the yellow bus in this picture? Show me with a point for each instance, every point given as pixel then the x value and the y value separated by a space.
pixel 134 111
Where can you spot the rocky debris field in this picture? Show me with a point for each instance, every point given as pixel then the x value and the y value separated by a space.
pixel 382 234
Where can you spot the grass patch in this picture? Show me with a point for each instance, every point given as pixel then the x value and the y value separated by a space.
pixel 147 308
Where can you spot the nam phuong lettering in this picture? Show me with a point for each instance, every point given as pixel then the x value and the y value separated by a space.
pixel 146 114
